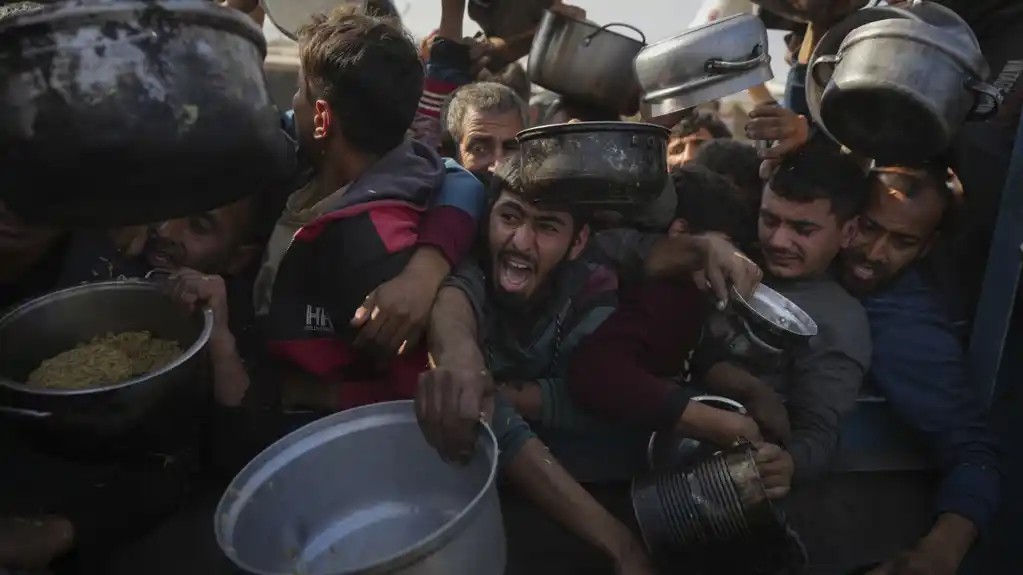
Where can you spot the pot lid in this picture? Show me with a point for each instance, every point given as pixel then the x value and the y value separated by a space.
pixel 290 15
pixel 770 306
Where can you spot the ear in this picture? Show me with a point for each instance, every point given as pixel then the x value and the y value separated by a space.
pixel 323 119
pixel 849 230
pixel 580 242
pixel 677 228
pixel 243 256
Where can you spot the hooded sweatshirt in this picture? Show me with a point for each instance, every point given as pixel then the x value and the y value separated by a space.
pixel 361 237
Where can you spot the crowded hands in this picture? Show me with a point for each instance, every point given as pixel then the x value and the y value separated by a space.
pixel 450 404
pixel 787 130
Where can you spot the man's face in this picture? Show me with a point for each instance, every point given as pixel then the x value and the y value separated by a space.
pixel 18 237
pixel 487 139
pixel 313 120
pixel 215 242
pixel 681 149
pixel 800 239
pixel 526 244
pixel 893 232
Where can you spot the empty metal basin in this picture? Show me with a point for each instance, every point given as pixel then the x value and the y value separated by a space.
pixel 362 492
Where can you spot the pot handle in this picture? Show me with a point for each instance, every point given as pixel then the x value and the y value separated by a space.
pixel 821 62
pixel 714 66
pixel 25 413
pixel 589 37
pixel 983 90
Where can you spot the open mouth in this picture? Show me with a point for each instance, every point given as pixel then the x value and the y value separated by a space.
pixel 514 274
pixel 160 259
pixel 862 272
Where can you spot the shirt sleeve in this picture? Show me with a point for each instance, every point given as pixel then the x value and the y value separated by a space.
pixel 919 367
pixel 620 370
pixel 354 263
pixel 451 223
pixel 447 69
pixel 824 384
pixel 511 431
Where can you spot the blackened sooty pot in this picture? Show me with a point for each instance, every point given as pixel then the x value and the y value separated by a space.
pixel 121 111
pixel 619 166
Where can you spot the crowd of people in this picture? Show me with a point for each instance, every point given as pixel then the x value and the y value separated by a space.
pixel 403 237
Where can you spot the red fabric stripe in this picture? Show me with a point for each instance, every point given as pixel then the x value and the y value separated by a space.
pixel 396 226
pixel 449 229
pixel 321 357
pixel 439 87
pixel 310 231
pixel 400 383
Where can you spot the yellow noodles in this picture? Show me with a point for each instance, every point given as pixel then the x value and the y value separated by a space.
pixel 105 360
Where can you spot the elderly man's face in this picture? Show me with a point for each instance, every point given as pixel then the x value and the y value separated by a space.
pixel 487 139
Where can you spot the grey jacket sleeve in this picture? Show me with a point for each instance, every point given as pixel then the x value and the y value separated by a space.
pixel 823 386
pixel 511 430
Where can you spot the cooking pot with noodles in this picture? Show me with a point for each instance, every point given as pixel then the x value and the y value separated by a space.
pixel 93 361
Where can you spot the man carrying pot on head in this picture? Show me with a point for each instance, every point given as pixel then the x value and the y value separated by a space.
pixel 918 363
pixel 534 303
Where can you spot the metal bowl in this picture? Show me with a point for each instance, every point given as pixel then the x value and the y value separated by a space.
pixel 773 315
pixel 362 492
pixel 56 322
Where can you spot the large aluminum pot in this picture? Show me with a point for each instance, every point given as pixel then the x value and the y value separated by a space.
pixel 129 111
pixel 362 492
pixel 898 90
pixel 586 62
pixel 703 64
pixel 56 322
pixel 619 166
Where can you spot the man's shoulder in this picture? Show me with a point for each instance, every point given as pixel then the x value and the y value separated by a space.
pixel 842 324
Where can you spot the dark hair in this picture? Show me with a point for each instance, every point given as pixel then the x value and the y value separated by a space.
pixel 701 121
pixel 821 171
pixel 708 202
pixel 508 178
pixel 737 161
pixel 369 70
pixel 913 181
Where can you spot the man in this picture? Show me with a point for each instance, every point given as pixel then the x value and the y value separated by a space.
pixel 480 123
pixel 356 223
pixel 537 300
pixel 688 135
pixel 918 362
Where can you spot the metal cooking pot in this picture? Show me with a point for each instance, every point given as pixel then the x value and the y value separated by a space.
pixel 898 90
pixel 362 492
pixel 586 62
pixel 56 322
pixel 618 166
pixel 674 451
pixel 703 64
pixel 129 111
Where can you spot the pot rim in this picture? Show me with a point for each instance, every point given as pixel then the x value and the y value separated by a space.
pixel 595 29
pixel 113 285
pixel 621 127
pixel 916 32
pixel 804 318
pixel 82 14
pixel 254 471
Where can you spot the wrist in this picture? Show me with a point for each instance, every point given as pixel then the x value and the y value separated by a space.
pixel 222 342
pixel 429 265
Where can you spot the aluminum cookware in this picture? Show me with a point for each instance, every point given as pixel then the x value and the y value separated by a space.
pixel 589 63
pixel 56 322
pixel 123 111
pixel 898 89
pixel 773 315
pixel 620 166
pixel 703 64
pixel 362 492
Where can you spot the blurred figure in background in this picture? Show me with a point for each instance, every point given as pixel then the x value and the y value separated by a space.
pixel 688 135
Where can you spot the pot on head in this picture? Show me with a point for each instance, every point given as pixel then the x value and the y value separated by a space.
pixel 48 325
pixel 601 166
